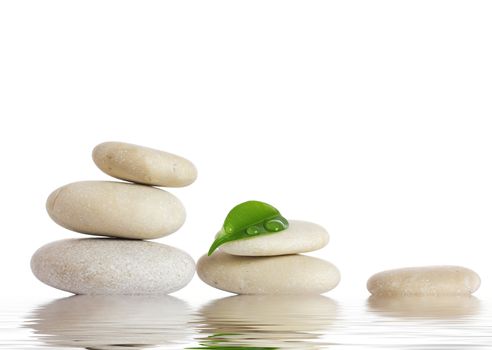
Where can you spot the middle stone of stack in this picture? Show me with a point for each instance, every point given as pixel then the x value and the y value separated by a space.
pixel 116 209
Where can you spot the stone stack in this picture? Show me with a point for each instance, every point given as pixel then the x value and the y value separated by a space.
pixel 272 264
pixel 129 213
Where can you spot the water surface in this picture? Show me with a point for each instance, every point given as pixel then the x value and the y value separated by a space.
pixel 247 322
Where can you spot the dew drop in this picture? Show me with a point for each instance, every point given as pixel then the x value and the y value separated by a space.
pixel 274 225
pixel 252 230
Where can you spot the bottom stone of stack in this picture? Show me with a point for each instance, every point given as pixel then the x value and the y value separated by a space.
pixel 112 266
pixel 286 274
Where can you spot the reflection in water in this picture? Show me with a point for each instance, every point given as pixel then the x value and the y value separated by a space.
pixel 431 322
pixel 254 323
pixel 439 307
pixel 265 322
pixel 111 322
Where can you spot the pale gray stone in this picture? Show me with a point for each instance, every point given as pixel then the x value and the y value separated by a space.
pixel 112 266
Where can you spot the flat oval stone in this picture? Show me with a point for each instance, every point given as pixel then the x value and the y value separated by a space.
pixel 116 209
pixel 112 266
pixel 299 237
pixel 428 280
pixel 143 165
pixel 286 274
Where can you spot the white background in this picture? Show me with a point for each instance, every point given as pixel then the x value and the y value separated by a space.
pixel 371 118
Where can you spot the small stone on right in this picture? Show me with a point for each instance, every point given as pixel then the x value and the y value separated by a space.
pixel 426 280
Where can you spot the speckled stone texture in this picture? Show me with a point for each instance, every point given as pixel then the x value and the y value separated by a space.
pixel 428 280
pixel 286 274
pixel 112 266
pixel 116 209
pixel 143 165
pixel 300 237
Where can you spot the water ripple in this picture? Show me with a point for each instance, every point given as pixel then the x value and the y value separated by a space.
pixel 112 322
pixel 265 322
pixel 249 322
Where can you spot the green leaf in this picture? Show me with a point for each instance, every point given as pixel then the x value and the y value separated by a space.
pixel 247 220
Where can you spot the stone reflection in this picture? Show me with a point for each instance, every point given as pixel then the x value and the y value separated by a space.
pixel 265 322
pixel 111 322
pixel 440 307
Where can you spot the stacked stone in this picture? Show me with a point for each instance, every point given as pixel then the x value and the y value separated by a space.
pixel 129 213
pixel 272 264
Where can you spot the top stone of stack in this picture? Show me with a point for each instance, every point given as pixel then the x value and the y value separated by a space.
pixel 143 165
pixel 299 237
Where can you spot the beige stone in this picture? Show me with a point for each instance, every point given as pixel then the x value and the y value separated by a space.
pixel 116 209
pixel 428 280
pixel 300 237
pixel 286 274
pixel 112 266
pixel 143 165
